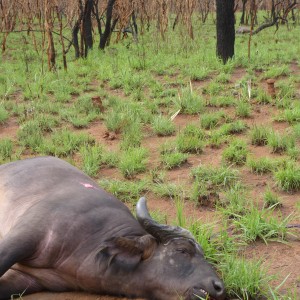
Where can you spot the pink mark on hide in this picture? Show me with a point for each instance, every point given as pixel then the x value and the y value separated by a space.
pixel 87 185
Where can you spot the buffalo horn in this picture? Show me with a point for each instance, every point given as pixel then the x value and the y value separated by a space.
pixel 163 233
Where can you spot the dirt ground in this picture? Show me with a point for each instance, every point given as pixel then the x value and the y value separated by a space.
pixel 281 260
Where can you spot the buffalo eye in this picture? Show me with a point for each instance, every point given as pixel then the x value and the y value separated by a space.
pixel 183 251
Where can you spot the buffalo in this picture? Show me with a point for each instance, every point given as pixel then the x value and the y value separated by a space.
pixel 59 231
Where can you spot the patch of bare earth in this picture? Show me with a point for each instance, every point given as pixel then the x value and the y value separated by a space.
pixel 9 129
pixel 281 261
pixel 101 135
pixel 238 74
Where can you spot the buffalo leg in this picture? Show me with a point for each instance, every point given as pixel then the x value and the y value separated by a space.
pixel 16 283
pixel 15 248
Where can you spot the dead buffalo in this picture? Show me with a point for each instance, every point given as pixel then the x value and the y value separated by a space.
pixel 61 232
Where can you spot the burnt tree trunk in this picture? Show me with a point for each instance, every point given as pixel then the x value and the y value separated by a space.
pixel 75 40
pixel 106 34
pixel 134 27
pixel 244 2
pixel 60 22
pixel 48 29
pixel 76 29
pixel 87 26
pixel 112 28
pixel 95 11
pixel 225 29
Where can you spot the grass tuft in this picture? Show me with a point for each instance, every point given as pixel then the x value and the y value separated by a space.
pixel 259 135
pixel 280 143
pixel 173 159
pixel 236 153
pixel 271 200
pixel 3 115
pixel 126 191
pixel 244 279
pixel 261 165
pixel 6 149
pixel 261 224
pixel 288 178
pixel 189 102
pixel 163 126
pixel 91 158
pixel 133 161
pixel 191 140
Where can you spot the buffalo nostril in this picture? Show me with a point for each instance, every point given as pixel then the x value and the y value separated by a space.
pixel 218 286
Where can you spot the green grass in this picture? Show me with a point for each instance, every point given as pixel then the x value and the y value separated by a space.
pixel 110 158
pixel 79 120
pixel 189 144
pixel 285 90
pixel 30 135
pixel 262 97
pixel 189 102
pixel 3 115
pixel 211 120
pixel 271 199
pixel 167 189
pixel 288 178
pixel 91 159
pixel 275 294
pixel 296 131
pixel 190 140
pixel 159 216
pixel 244 279
pixel 115 121
pixel 243 109
pixel 197 74
pixel 47 122
pixel 290 115
pixel 236 153
pixel 64 142
pixel 6 149
pixel 233 128
pixel 259 135
pixel 234 201
pixel 157 175
pixel 126 191
pixel 223 77
pixel 131 136
pixel 280 143
pixel 221 101
pixel 214 88
pixel 218 176
pixel 163 126
pixel 181 218
pixel 173 159
pixel 293 152
pixel 261 224
pixel 276 71
pixel 213 244
pixel 216 139
pixel 261 165
pixel 133 161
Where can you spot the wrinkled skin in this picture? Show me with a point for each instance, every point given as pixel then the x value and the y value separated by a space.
pixel 60 232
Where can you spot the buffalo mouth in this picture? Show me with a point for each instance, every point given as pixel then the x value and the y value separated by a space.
pixel 199 294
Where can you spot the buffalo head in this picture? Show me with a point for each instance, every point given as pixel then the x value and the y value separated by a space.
pixel 165 264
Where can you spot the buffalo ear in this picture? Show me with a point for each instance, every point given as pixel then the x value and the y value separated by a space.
pixel 143 246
